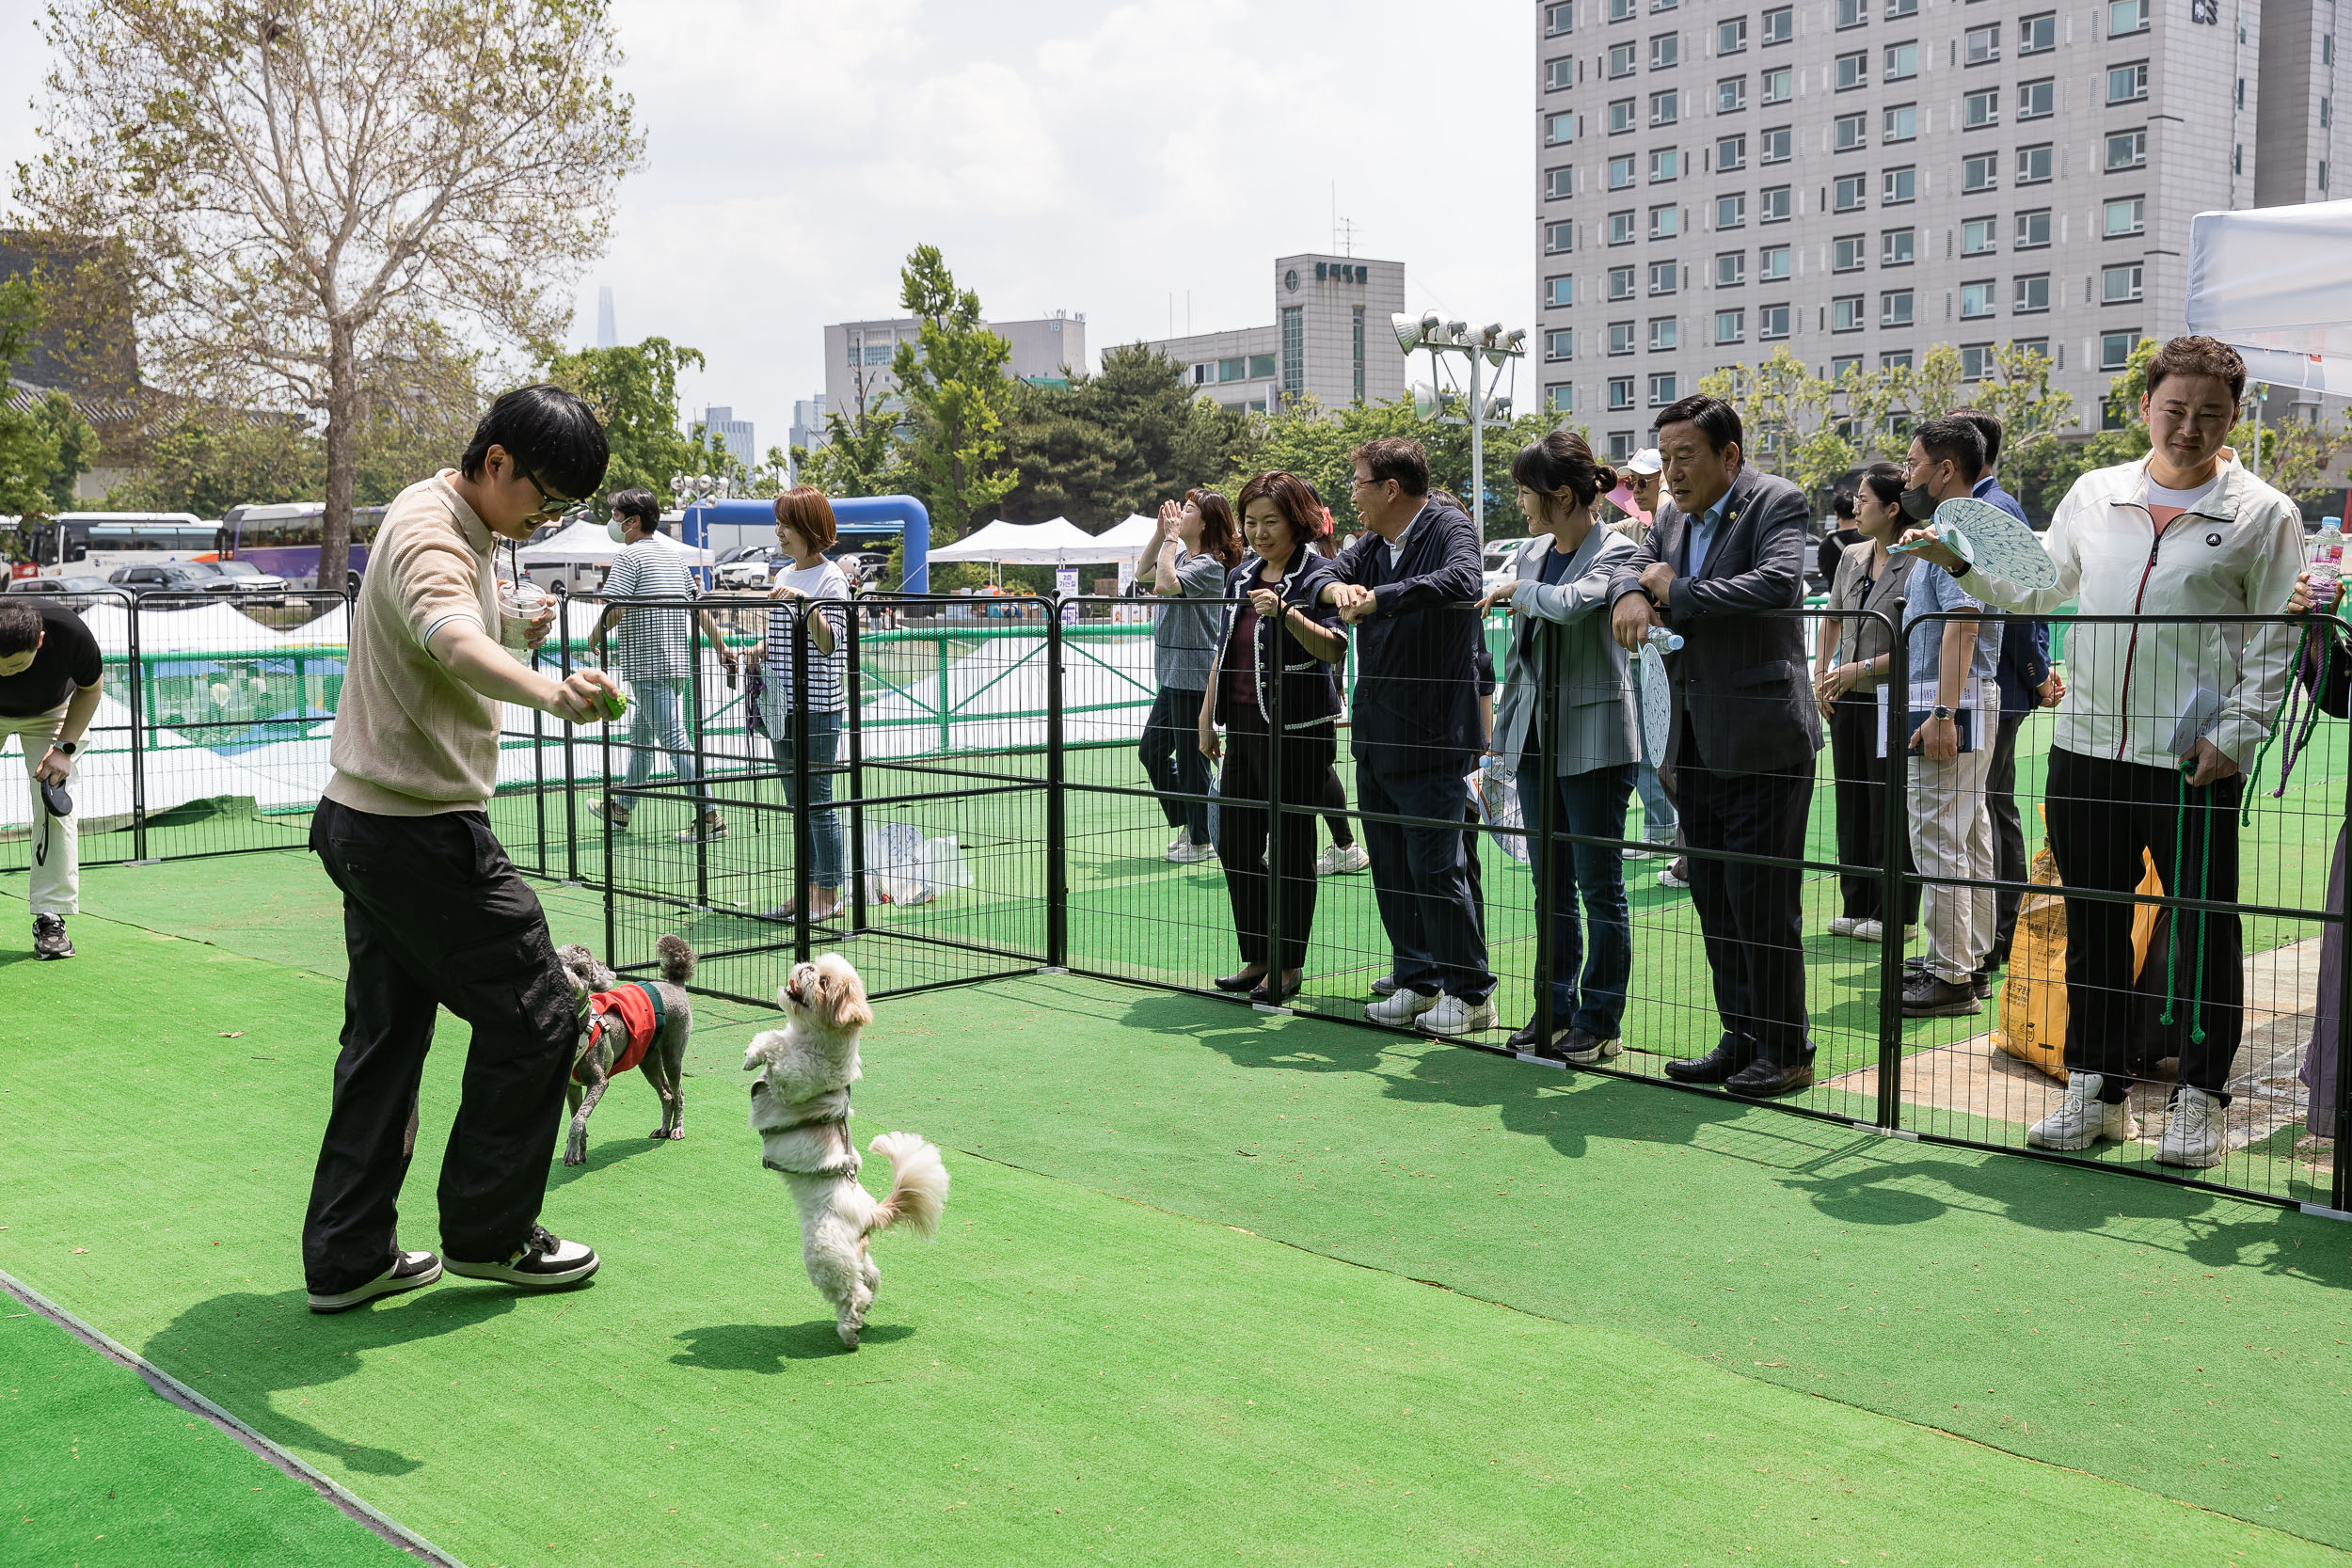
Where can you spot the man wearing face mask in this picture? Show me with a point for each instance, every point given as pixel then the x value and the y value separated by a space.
pixel 653 654
pixel 1953 701
pixel 2157 722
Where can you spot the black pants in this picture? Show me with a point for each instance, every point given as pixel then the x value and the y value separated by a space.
pixel 1333 804
pixel 1170 754
pixel 1862 814
pixel 2009 835
pixel 2103 815
pixel 1425 880
pixel 435 913
pixel 1242 832
pixel 1750 915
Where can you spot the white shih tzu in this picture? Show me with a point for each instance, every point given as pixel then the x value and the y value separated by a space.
pixel 801 1110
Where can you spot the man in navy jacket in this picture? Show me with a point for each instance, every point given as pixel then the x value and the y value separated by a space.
pixel 1410 586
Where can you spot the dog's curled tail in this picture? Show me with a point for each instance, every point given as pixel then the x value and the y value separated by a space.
pixel 677 959
pixel 918 1185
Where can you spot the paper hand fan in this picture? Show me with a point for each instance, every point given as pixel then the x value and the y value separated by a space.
pixel 1656 703
pixel 1990 540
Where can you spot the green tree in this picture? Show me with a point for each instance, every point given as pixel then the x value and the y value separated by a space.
pixel 1068 464
pixel 859 457
pixel 633 388
pixel 45 447
pixel 1305 440
pixel 952 378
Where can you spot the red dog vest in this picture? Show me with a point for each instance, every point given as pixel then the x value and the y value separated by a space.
pixel 638 1013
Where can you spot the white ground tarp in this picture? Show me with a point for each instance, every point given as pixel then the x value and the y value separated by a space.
pixel 1059 543
pixel 218 629
pixel 2276 284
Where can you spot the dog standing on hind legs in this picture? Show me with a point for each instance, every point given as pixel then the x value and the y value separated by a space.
pixel 625 1025
pixel 801 1110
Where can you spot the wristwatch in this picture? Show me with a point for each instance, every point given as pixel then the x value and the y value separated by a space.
pixel 66 747
pixel 1941 712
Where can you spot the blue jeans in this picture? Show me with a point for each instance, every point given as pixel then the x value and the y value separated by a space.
pixel 657 721
pixel 1658 818
pixel 1592 803
pixel 824 746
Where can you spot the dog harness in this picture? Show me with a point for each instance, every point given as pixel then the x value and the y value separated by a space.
pixel 804 1138
pixel 641 1010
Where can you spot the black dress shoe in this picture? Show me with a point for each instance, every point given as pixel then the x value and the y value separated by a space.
pixel 1531 1040
pixel 1762 1079
pixel 1717 1067
pixel 1243 981
pixel 1270 994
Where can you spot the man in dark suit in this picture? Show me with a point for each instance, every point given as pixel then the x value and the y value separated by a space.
pixel 1410 586
pixel 1732 543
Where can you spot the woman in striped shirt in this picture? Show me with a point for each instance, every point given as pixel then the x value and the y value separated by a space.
pixel 816 587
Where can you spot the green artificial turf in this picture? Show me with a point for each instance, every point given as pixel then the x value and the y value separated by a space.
pixel 1063 1377
pixel 95 1469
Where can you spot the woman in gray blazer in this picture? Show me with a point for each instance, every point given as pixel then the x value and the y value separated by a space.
pixel 1588 704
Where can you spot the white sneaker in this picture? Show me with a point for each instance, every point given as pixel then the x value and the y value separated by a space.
pixel 1864 931
pixel 1183 837
pixel 1668 878
pixel 1454 1016
pixel 1844 925
pixel 1340 859
pixel 1633 854
pixel 1400 1007
pixel 1188 853
pixel 2192 1131
pixel 610 811
pixel 2081 1120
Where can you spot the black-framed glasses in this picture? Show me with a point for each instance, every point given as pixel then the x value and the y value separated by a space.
pixel 549 505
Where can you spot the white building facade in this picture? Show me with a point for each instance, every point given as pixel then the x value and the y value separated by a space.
pixel 1330 339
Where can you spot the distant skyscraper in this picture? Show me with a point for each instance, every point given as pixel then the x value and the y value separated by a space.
pixel 808 428
pixel 732 434
pixel 608 334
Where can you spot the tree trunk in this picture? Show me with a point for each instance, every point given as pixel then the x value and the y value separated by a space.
pixel 342 458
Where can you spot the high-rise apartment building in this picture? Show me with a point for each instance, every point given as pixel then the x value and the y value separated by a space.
pixel 1330 339
pixel 734 435
pixel 1860 180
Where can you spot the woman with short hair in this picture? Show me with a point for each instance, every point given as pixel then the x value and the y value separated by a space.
pixel 807 583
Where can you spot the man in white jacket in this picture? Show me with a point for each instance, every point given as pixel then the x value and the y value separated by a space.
pixel 2161 718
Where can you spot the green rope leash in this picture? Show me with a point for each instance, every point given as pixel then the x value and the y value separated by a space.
pixel 2245 809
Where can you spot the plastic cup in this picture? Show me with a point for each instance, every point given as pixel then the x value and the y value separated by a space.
pixel 519 603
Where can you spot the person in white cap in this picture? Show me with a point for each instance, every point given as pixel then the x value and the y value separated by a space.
pixel 1644 476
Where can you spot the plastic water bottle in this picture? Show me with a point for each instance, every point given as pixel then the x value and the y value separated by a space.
pixel 2327 564
pixel 1667 642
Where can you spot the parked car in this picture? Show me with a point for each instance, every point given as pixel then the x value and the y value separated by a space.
pixel 76 590
pixel 242 577
pixel 748 567
pixel 165 576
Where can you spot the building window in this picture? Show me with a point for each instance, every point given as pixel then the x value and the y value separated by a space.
pixel 1559 238
pixel 1731 152
pixel 1895 308
pixel 1360 348
pixel 1980 109
pixel 1774 146
pixel 1771 206
pixel 2119 285
pixel 2126 215
pixel 1848 253
pixel 1778 25
pixel 1666 51
pixel 1620 283
pixel 2127 150
pixel 1898 9
pixel 1662 277
pixel 2037 99
pixel 1624 58
pixel 1731 37
pixel 1560 291
pixel 1731 212
pixel 1621 117
pixel 1840 367
pixel 1664 334
pixel 1559 21
pixel 2035 164
pixel 1620 10
pixel 1976 361
pixel 1558 75
pixel 1731 327
pixel 1620 392
pixel 1561 395
pixel 1903 61
pixel 1982 46
pixel 1772 264
pixel 1895 359
pixel 2128 83
pixel 2115 349
pixel 1898 185
pixel 2029 294
pixel 2036 33
pixel 1844 313
pixel 1664 388
pixel 1560 345
pixel 1621 172
pixel 2126 16
pixel 1980 173
pixel 1731 95
pixel 1779 85
pixel 1666 164
pixel 1621 229
pixel 1852 131
pixel 1665 108
pixel 1897 248
pixel 1621 339
pixel 1976 299
pixel 1621 441
pixel 1731 269
pixel 1666 221
pixel 1853 70
pixel 1294 350
pixel 1978 237
pixel 1235 369
pixel 2033 231
pixel 1902 122
pixel 1262 366
pixel 1772 323
pixel 1559 130
pixel 1853 13
pixel 1560 183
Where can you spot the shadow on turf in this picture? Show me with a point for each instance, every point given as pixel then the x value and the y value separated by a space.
pixel 764 1347
pixel 239 1349
pixel 602 1156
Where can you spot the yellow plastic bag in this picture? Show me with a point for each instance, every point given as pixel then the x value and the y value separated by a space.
pixel 2033 1001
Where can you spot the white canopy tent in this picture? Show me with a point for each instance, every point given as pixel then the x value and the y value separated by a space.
pixel 2274 283
pixel 1131 535
pixel 1058 543
pixel 587 543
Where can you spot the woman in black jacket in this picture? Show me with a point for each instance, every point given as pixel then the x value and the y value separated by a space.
pixel 1280 631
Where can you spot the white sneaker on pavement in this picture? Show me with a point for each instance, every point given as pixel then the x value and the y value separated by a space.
pixel 1400 1007
pixel 1337 859
pixel 2192 1131
pixel 2081 1119
pixel 1454 1016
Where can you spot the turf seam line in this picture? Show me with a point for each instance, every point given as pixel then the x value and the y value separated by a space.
pixel 355 1506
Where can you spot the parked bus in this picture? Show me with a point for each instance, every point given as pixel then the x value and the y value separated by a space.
pixel 284 539
pixel 104 538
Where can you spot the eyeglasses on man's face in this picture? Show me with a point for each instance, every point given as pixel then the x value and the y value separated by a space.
pixel 549 505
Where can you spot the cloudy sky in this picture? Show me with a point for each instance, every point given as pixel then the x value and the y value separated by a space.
pixel 1069 156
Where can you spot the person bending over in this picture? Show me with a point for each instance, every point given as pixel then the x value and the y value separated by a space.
pixel 51 675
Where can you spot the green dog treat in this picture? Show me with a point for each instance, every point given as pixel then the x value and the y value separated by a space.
pixel 614 704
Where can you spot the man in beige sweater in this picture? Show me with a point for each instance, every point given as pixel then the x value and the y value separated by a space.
pixel 434 915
